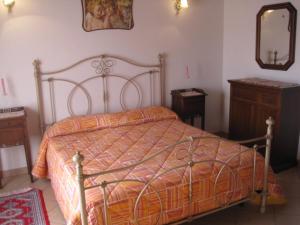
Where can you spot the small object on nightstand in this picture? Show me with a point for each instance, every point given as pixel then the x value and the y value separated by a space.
pixel 188 103
pixel 13 132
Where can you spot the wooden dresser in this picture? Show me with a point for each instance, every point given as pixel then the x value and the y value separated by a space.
pixel 252 101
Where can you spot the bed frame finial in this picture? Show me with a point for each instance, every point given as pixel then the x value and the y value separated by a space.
pixel 162 61
pixel 270 121
pixel 37 77
pixel 36 63
pixel 78 159
pixel 269 136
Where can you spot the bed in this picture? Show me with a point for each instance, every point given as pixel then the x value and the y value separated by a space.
pixel 142 165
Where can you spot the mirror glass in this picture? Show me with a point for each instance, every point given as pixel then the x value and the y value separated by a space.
pixel 276 30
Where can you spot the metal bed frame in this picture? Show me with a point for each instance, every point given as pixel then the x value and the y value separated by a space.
pixel 103 65
pixel 103 71
pixel 81 177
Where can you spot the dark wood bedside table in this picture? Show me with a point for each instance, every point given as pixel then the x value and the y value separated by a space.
pixel 13 132
pixel 188 103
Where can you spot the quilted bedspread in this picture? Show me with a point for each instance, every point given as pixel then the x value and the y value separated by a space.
pixel 110 141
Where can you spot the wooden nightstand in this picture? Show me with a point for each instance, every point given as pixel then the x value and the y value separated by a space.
pixel 188 103
pixel 13 132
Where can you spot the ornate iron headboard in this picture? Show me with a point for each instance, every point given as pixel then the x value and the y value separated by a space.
pixel 102 66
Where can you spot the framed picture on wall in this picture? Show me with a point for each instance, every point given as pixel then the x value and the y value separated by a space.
pixel 107 14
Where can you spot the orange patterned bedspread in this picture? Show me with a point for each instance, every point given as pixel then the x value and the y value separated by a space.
pixel 110 141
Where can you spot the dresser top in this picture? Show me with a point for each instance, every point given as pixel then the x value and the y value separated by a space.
pixel 265 83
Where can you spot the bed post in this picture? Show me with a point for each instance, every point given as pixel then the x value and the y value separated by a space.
pixel 77 159
pixel 37 76
pixel 269 136
pixel 162 62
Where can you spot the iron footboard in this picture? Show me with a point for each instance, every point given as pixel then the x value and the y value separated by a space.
pixel 81 177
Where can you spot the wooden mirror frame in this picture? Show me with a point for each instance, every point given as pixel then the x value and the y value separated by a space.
pixel 292 44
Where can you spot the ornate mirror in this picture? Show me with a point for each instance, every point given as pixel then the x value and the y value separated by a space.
pixel 276 36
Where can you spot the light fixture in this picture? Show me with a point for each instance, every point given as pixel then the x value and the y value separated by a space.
pixel 9 4
pixel 181 4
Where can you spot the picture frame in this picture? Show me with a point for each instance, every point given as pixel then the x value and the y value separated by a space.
pixel 107 14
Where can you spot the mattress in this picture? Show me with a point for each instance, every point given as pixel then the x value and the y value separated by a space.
pixel 110 141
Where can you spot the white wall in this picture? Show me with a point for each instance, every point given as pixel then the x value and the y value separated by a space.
pixel 239 47
pixel 51 31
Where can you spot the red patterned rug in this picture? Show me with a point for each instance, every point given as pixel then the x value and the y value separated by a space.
pixel 26 207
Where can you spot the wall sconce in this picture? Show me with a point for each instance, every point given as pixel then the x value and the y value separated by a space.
pixel 181 4
pixel 9 4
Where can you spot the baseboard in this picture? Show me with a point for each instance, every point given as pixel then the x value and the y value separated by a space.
pixel 14 172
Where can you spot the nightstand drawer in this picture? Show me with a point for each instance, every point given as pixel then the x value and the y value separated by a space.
pixel 11 137
pixel 193 105
pixel 11 123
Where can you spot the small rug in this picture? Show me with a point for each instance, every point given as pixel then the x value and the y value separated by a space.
pixel 25 207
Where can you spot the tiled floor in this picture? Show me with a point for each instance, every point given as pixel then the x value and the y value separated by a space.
pixel 239 215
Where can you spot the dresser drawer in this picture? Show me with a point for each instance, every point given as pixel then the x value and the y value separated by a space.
pixel 256 95
pixel 244 93
pixel 269 98
pixel 11 123
pixel 11 137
